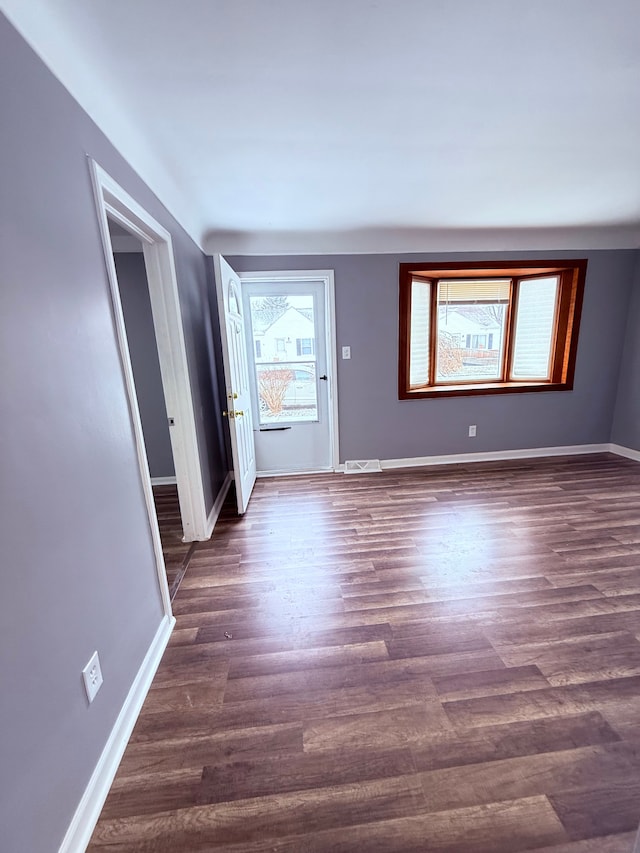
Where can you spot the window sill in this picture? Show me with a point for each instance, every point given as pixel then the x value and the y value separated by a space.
pixel 478 390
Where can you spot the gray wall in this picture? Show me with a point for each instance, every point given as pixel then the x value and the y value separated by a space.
pixel 375 424
pixel 626 422
pixel 143 349
pixel 78 570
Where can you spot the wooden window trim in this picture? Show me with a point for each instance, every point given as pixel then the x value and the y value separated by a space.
pixel 572 275
pixel 510 331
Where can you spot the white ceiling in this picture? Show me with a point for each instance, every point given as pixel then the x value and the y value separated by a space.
pixel 365 125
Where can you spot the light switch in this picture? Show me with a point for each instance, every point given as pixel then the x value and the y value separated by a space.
pixel 346 352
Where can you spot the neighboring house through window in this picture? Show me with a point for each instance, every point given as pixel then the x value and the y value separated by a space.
pixel 305 346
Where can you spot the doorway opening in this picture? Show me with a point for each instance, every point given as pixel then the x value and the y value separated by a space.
pixel 280 372
pixel 133 286
pixel 115 204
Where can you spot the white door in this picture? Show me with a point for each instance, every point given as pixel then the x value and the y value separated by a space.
pixel 289 328
pixel 236 375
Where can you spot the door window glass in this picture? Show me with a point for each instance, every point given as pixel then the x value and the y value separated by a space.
pixel 285 362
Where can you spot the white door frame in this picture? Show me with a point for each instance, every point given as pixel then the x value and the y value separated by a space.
pixel 327 277
pixel 157 246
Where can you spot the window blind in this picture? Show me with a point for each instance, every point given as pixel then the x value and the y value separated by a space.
pixel 471 291
pixel 419 340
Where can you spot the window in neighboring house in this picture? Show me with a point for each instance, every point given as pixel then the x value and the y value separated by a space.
pixel 258 349
pixel 281 345
pixel 497 328
pixel 304 346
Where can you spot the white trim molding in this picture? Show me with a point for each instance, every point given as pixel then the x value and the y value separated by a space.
pixel 264 475
pixel 497 455
pixel 164 481
pixel 494 455
pixel 86 816
pixel 113 201
pixel 628 452
pixel 217 504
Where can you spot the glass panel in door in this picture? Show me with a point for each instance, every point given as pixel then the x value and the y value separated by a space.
pixel 284 350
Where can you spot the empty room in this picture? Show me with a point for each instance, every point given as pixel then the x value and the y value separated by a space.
pixel 347 293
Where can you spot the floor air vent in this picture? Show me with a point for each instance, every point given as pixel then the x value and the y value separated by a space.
pixel 362 466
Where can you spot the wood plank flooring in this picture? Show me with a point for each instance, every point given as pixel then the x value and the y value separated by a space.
pixel 176 552
pixel 436 659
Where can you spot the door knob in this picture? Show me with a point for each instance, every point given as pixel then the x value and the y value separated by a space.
pixel 228 415
pixel 239 414
pixel 324 376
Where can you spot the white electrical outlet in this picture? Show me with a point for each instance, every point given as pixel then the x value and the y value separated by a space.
pixel 346 352
pixel 92 675
pixel 472 431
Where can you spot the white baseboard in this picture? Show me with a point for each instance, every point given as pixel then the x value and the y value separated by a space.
pixel 495 455
pixel 84 820
pixel 492 456
pixel 285 472
pixel 217 505
pixel 164 481
pixel 625 451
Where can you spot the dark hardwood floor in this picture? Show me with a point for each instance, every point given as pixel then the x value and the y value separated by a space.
pixel 436 659
pixel 176 552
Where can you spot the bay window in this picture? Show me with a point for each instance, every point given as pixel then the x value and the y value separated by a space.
pixel 502 327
